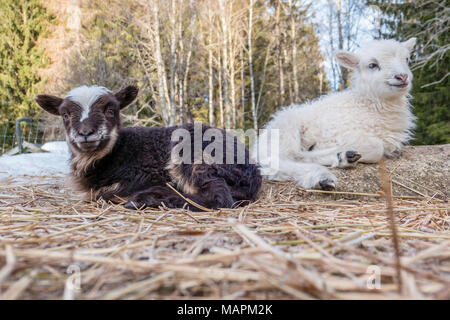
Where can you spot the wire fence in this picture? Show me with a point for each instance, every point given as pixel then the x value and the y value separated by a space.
pixel 36 133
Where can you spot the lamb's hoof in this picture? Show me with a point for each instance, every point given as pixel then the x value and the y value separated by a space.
pixel 352 156
pixel 327 184
pixel 132 205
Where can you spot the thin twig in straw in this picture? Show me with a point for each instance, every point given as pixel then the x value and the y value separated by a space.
pixel 189 200
pixel 387 189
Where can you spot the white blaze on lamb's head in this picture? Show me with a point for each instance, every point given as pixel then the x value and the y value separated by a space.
pixel 381 68
pixel 85 96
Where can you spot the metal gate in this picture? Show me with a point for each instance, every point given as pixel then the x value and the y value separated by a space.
pixel 35 132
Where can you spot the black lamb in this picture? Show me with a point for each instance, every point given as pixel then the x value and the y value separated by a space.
pixel 136 163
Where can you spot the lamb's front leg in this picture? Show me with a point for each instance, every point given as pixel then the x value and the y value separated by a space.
pixel 153 197
pixel 366 150
pixel 332 157
pixel 211 194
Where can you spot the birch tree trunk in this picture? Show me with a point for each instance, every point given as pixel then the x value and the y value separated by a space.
pixel 344 71
pixel 182 67
pixel 173 47
pixel 232 74
pixel 162 78
pixel 279 55
pixel 219 68
pixel 250 66
pixel 294 51
pixel 186 69
pixel 331 36
pixel 242 120
pixel 210 75
pixel 287 62
pixel 225 66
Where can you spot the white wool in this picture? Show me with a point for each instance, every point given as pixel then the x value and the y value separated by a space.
pixel 372 118
pixel 85 96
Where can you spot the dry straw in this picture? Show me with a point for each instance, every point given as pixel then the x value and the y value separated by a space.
pixel 290 244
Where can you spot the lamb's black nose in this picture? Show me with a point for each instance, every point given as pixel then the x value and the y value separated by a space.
pixel 85 132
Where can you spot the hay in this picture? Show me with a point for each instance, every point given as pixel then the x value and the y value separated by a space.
pixel 290 244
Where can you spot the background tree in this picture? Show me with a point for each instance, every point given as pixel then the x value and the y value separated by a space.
pixel 22 23
pixel 429 22
pixel 230 63
pixel 107 54
pixel 341 28
pixel 286 59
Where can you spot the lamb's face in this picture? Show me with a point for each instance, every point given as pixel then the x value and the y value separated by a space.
pixel 381 69
pixel 91 116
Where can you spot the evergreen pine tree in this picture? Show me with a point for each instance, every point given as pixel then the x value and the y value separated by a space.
pixel 21 24
pixel 426 20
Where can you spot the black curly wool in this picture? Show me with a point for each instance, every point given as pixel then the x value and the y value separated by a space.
pixel 138 168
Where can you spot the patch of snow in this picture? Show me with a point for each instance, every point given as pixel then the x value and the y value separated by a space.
pixel 56 146
pixel 22 167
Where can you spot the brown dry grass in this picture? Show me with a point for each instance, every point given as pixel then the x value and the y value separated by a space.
pixel 291 244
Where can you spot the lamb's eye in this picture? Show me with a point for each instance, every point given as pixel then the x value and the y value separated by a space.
pixel 373 66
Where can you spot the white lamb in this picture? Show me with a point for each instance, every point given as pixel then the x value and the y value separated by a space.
pixel 363 123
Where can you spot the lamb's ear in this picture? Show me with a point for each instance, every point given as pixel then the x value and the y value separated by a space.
pixel 126 95
pixel 347 59
pixel 409 44
pixel 49 103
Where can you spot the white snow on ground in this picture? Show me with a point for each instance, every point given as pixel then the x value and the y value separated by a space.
pixel 55 163
pixel 56 147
